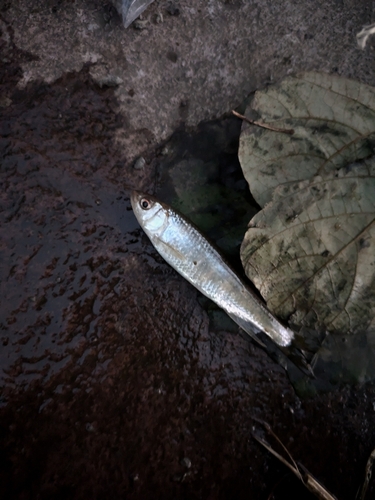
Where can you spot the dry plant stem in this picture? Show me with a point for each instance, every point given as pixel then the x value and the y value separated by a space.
pixel 364 34
pixel 293 463
pixel 315 486
pixel 368 473
pixel 300 471
pixel 289 131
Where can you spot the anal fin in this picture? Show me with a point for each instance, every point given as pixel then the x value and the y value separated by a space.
pixel 248 327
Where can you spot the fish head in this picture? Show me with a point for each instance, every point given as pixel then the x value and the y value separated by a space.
pixel 151 214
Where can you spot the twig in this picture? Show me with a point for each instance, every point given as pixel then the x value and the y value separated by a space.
pixel 129 187
pixel 307 479
pixel 277 455
pixel 289 131
pixel 269 429
pixel 368 473
pixel 364 34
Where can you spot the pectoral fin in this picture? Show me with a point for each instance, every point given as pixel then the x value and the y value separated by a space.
pixel 287 357
pixel 169 250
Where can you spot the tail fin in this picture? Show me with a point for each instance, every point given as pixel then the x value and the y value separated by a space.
pixel 283 355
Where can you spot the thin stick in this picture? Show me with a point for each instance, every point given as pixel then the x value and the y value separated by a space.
pixel 368 473
pixel 307 479
pixel 277 455
pixel 298 473
pixel 289 131
pixel 293 466
pixel 364 34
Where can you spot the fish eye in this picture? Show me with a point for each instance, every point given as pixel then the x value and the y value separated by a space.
pixel 145 203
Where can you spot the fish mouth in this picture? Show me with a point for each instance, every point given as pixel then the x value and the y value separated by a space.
pixel 135 197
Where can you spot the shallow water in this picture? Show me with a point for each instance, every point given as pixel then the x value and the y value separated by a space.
pixel 115 384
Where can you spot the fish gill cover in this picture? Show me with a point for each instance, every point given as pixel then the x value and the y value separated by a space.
pixel 310 250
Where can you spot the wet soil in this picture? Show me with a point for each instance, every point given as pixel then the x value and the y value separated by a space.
pixel 114 383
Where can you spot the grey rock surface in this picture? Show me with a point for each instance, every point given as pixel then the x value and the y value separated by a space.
pixel 115 378
pixel 192 60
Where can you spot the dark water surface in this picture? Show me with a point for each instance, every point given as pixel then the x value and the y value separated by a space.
pixel 114 383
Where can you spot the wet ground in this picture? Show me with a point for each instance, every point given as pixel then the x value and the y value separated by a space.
pixel 115 383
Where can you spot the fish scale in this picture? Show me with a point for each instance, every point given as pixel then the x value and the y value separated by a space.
pixel 190 254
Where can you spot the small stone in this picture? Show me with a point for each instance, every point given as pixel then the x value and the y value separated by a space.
pixel 159 18
pixel 140 163
pixel 186 462
pixel 5 102
pixel 173 10
pixel 140 24
pixel 166 150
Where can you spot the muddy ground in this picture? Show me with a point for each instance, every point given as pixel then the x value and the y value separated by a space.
pixel 115 383
pixel 186 60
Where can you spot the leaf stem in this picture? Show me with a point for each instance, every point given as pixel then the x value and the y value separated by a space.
pixel 289 131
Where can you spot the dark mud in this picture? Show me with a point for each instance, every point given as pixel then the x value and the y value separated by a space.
pixel 114 383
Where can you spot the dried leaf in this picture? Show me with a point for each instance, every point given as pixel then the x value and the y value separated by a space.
pixel 333 119
pixel 311 252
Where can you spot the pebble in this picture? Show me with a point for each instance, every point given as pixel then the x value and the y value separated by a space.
pixel 173 10
pixel 159 18
pixel 140 163
pixel 5 102
pixel 186 462
pixel 166 150
pixel 140 24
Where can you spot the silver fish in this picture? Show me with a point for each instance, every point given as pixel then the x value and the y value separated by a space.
pixel 191 255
